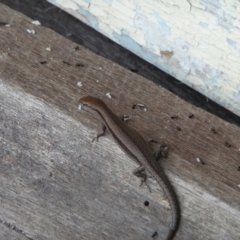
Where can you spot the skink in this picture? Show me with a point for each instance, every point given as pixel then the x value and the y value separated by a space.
pixel 137 148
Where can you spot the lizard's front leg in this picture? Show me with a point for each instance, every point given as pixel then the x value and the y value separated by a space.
pixel 162 152
pixel 100 134
pixel 140 173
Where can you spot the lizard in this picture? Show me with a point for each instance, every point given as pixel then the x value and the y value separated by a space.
pixel 138 149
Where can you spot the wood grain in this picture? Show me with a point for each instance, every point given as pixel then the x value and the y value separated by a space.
pixel 57 184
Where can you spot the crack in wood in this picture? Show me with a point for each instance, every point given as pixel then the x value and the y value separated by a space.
pixel 16 229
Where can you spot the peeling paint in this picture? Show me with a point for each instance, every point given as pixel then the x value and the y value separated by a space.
pixel 167 54
pixel 194 41
pixel 92 20
pixel 125 40
pixel 162 24
pixel 204 25
pixel 231 42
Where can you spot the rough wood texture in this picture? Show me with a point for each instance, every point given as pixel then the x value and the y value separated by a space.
pixel 57 184
pixel 78 32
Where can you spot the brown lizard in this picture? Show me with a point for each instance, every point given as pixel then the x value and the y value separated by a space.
pixel 137 148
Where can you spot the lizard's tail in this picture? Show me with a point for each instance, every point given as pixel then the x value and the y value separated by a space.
pixel 171 234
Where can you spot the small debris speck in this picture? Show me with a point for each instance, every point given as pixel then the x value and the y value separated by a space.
pixel 108 95
pixel 4 24
pixel 36 22
pixel 199 160
pixel 79 106
pixel 125 118
pixel 213 130
pixel 227 145
pixel 79 84
pixel 48 49
pixel 191 115
pixel 155 235
pixel 79 65
pixel 140 105
pixel 178 128
pixel 65 62
pixel 30 31
pixel 146 203
pixel 134 70
pixel 174 116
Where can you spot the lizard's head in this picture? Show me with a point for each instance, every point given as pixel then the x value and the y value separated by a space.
pixel 90 103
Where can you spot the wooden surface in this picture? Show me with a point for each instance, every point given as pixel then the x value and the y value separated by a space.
pixel 78 32
pixel 57 184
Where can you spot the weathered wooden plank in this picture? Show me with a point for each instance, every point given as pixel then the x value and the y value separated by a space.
pixel 57 184
pixel 80 33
